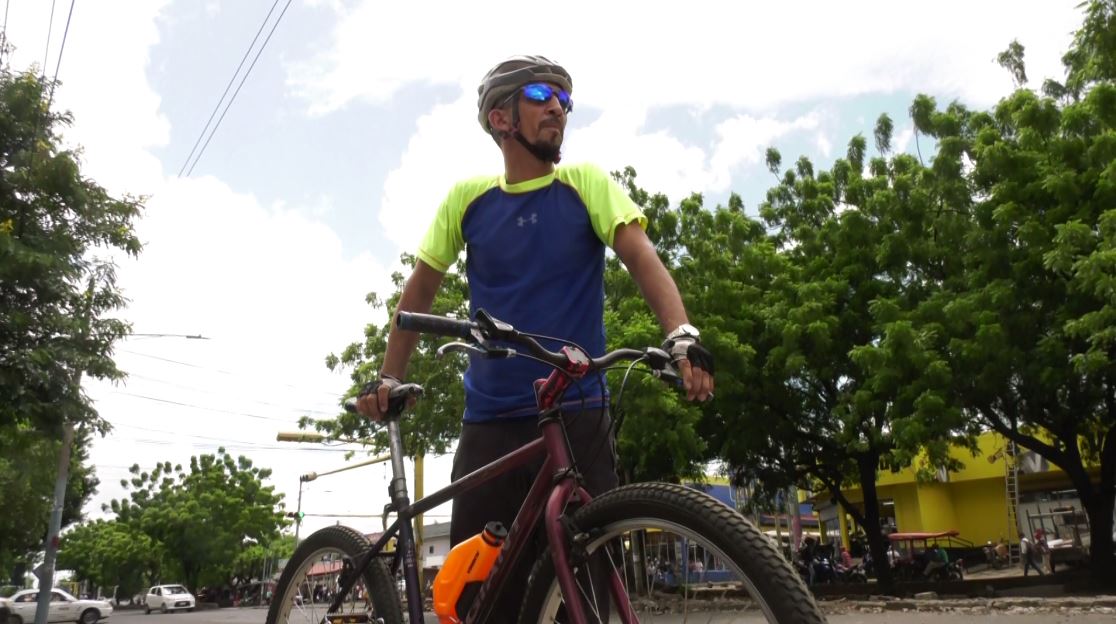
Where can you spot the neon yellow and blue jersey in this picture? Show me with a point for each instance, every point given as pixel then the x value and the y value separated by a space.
pixel 535 254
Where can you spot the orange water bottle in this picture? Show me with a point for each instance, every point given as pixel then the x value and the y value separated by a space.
pixel 465 568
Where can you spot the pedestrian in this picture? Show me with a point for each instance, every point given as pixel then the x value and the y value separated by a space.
pixel 535 240
pixel 1042 547
pixel 1028 554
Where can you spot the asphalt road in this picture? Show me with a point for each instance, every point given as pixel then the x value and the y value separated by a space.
pixel 257 616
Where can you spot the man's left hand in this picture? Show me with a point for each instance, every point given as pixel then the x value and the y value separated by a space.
pixel 695 363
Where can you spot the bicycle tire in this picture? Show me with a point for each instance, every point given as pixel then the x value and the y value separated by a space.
pixel 764 573
pixel 382 596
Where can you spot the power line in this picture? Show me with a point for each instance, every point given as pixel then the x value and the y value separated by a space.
pixel 226 91
pixel 4 34
pixel 218 370
pixel 202 407
pixel 201 437
pixel 226 394
pixel 234 447
pixel 57 65
pixel 235 93
pixel 50 27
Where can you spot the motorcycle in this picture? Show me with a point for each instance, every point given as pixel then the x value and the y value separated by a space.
pixel 995 556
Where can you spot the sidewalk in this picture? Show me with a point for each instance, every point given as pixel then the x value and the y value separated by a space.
pixel 1105 605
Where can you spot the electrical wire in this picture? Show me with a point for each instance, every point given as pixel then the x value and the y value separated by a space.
pixel 50 28
pixel 202 407
pixel 58 64
pixel 4 33
pixel 242 80
pixel 227 395
pixel 223 372
pixel 228 86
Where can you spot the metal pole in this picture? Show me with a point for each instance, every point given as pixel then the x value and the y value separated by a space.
pixel 418 520
pixel 46 572
pixel 298 513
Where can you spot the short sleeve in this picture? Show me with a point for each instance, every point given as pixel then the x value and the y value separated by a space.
pixel 608 205
pixel 444 241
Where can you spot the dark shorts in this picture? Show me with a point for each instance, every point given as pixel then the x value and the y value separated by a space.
pixel 594 452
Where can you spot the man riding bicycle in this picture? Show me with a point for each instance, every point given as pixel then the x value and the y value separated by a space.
pixel 535 239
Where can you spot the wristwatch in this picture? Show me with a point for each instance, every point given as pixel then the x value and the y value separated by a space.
pixel 684 330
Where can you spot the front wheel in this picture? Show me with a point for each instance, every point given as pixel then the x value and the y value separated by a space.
pixel 318 561
pixel 676 550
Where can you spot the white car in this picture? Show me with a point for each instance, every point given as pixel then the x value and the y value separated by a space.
pixel 63 608
pixel 168 598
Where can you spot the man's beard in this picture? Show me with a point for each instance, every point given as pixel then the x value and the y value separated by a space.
pixel 546 152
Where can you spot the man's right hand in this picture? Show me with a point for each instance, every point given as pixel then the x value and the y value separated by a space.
pixel 373 399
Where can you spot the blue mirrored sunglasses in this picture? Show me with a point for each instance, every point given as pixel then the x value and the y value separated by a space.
pixel 542 92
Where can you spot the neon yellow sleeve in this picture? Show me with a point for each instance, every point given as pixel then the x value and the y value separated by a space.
pixel 444 241
pixel 608 205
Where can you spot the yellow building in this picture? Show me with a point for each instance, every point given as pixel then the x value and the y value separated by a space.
pixel 997 494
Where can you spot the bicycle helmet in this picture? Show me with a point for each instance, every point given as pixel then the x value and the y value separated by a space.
pixel 511 74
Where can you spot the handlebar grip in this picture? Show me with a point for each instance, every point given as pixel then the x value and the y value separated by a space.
pixel 433 324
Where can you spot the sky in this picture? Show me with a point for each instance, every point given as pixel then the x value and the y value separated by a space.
pixel 359 115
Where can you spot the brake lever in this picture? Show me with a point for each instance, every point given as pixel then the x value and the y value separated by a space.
pixel 490 353
pixel 662 366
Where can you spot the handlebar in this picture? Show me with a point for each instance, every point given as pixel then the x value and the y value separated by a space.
pixel 432 324
pixel 397 399
pixel 479 332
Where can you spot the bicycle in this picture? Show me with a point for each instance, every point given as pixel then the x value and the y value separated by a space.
pixel 645 538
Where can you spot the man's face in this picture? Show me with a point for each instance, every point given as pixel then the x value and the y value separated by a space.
pixel 542 122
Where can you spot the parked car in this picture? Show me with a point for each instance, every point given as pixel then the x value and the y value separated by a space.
pixel 168 598
pixel 5 610
pixel 64 607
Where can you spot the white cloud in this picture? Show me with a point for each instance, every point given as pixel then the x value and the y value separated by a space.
pixel 825 148
pixel 744 55
pixel 634 57
pixel 444 150
pixel 271 288
pixel 902 141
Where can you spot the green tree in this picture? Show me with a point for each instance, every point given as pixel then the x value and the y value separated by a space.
pixel 55 290
pixel 28 465
pixel 434 422
pixel 112 554
pixel 205 517
pixel 836 381
pixel 658 437
pixel 1028 329
pixel 56 295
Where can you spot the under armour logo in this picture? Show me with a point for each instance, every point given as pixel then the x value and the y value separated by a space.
pixel 533 219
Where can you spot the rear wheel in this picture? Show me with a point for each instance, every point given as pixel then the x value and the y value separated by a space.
pixel 676 550
pixel 316 562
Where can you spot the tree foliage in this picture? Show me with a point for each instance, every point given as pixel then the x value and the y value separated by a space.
pixel 55 292
pixel 1028 329
pixel 28 466
pixel 203 518
pixel 435 422
pixel 56 297
pixel 112 554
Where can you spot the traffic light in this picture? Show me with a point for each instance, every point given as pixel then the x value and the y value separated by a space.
pixel 297 515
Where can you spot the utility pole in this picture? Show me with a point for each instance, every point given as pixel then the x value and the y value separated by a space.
pixel 298 513
pixel 45 572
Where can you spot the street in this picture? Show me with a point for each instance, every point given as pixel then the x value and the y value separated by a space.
pixel 257 616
